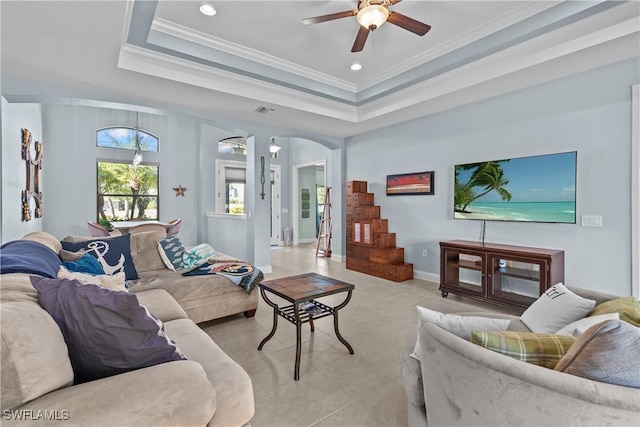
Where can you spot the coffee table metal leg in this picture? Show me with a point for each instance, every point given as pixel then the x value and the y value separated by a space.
pixel 296 372
pixel 335 322
pixel 275 319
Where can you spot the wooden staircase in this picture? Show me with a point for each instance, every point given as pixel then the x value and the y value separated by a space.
pixel 371 249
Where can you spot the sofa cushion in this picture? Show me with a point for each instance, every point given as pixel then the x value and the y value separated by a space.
pixel 578 327
pixel 555 309
pixel 107 332
pixel 115 282
pixel 17 287
pixel 113 253
pixel 628 308
pixel 461 326
pixel 607 352
pixel 30 257
pixel 234 390
pixel 44 238
pixel 535 348
pixel 85 264
pixel 166 395
pixel 144 251
pixel 171 251
pixel 161 305
pixel 34 355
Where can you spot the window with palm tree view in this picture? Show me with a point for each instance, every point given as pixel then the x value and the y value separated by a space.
pixel 127 192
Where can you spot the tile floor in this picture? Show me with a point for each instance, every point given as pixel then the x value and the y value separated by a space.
pixel 335 388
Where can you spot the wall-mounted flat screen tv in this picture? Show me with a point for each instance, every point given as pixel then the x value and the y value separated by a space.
pixel 536 189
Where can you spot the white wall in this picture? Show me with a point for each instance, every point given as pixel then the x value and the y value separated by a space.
pixel 15 117
pixel 589 113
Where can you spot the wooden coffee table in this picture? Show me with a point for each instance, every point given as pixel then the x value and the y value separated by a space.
pixel 301 291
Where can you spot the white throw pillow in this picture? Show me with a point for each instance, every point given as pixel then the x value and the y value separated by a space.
pixel 555 309
pixel 457 325
pixel 115 282
pixel 577 328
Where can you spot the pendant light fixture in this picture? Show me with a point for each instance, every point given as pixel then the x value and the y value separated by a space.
pixel 137 157
pixel 274 148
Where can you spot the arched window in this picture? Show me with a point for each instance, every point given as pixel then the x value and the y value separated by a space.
pixel 125 138
pixel 127 191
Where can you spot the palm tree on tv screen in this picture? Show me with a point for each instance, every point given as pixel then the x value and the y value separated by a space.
pixel 488 176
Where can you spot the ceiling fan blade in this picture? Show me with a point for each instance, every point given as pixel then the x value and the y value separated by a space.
pixel 330 17
pixel 361 39
pixel 409 24
pixel 395 1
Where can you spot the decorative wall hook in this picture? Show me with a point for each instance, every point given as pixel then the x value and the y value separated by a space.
pixel 28 194
pixel 262 180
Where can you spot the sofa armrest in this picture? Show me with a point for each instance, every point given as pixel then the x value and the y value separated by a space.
pixel 169 394
pixel 161 304
pixel 466 384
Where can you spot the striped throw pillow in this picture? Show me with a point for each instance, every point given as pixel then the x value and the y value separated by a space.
pixel 535 348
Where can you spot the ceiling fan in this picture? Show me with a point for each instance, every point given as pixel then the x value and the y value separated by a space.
pixel 370 15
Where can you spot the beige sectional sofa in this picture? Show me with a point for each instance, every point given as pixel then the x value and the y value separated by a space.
pixel 460 383
pixel 37 387
pixel 203 298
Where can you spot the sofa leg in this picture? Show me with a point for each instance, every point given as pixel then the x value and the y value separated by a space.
pixel 250 313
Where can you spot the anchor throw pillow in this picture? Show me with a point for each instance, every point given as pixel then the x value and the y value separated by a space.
pixel 113 253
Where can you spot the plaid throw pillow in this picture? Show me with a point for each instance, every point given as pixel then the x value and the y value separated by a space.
pixel 535 348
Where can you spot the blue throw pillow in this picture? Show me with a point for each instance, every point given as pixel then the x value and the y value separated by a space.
pixel 171 251
pixel 85 264
pixel 26 256
pixel 107 332
pixel 114 254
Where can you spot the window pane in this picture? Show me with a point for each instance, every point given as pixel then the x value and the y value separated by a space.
pixel 235 198
pixel 126 192
pixel 125 138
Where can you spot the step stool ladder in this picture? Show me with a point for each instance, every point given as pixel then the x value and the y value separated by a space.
pixel 323 248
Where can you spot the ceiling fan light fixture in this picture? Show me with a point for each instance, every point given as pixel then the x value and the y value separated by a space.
pixel 356 67
pixel 372 16
pixel 207 9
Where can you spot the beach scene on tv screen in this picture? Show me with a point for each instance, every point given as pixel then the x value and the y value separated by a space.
pixel 537 189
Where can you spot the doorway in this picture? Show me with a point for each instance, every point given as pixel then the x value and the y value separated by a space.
pixel 306 178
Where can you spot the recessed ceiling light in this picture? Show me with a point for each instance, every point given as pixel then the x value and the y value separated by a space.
pixel 356 67
pixel 207 9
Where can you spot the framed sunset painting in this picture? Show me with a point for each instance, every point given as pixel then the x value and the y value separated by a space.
pixel 410 184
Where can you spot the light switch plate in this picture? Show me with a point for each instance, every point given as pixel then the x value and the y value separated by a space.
pixel 591 220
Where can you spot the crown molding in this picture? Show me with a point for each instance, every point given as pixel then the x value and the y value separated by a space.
pixel 527 10
pixel 146 61
pixel 191 36
pixel 546 49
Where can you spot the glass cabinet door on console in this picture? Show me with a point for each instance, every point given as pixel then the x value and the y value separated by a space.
pixel 516 280
pixel 463 272
pixel 513 276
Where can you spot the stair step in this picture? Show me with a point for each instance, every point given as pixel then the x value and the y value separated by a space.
pixel 387 256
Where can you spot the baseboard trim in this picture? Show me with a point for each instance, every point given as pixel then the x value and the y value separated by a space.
pixel 425 275
pixel 267 269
